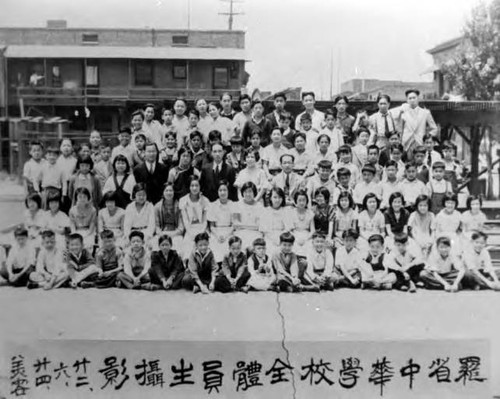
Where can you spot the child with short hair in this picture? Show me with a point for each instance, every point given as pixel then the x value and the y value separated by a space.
pixel 453 170
pixel 83 217
pixel 80 264
pixel 255 140
pixel 443 270
pixel 167 127
pixel 304 163
pixel 112 218
pixel 109 260
pixel 478 263
pixel 370 221
pixel 390 183
pixel 385 153
pixel 286 264
pixel 104 168
pixel 196 146
pixel 431 155
pixel 181 122
pixel 167 269
pixel 438 187
pixel 421 224
pixel 348 262
pixel 288 133
pixel 405 263
pixel 360 150
pixel 124 147
pixel 33 167
pixel 367 185
pixel 306 127
pixel 260 268
pixel 397 151
pixel 136 265
pixel 21 260
pixel 84 151
pixel 95 140
pixel 234 273
pixel 473 219
pixel 67 160
pixel 50 267
pixel 84 178
pixel 34 218
pixel 320 264
pixel 372 159
pixel 422 169
pixel 343 183
pixel 345 156
pixel 449 222
pixel 202 268
pixel 52 177
pixel 333 130
pixel 324 214
pixel 272 153
pixel 139 214
pixel 236 158
pixel 302 223
pixel 57 221
pixel 168 154
pixel 346 217
pixel 377 275
pixel 411 187
pixel 396 216
pixel 322 179
pixel 140 149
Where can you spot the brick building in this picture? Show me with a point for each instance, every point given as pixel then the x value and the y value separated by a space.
pixel 94 77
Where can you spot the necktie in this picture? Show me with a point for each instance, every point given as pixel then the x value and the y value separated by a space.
pixel 386 126
pixel 151 168
pixel 287 184
pixel 429 159
pixel 217 172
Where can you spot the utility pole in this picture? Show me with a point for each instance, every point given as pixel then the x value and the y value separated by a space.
pixel 231 13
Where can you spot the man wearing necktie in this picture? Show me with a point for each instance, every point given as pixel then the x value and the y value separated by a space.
pixel 213 173
pixel 151 173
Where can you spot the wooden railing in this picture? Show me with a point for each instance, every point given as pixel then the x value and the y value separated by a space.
pixel 113 94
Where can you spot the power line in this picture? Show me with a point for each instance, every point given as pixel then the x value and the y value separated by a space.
pixel 231 13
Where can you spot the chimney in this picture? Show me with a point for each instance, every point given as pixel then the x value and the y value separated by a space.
pixel 57 24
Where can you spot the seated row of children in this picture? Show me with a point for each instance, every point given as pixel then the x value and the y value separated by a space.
pixel 284 270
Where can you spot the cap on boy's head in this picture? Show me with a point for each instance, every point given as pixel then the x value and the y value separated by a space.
pixel 420 150
pixel 136 233
pixel 376 238
pixel 401 238
pixel 125 130
pixel 444 241
pixel 438 165
pixel 280 95
pixel 369 168
pixel 409 91
pixel 350 233
pixel 20 231
pixel 305 117
pixel 236 140
pixel 259 242
pixel 345 149
pixel 325 164
pixel 287 237
pixel 201 237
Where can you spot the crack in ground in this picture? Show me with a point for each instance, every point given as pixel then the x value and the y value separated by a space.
pixel 283 340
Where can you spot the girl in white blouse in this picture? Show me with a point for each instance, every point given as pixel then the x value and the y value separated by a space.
pixel 139 215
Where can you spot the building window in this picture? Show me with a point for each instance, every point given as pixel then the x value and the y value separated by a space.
pixel 235 70
pixel 180 70
pixel 90 38
pixel 143 73
pixel 221 78
pixel 180 40
pixel 92 74
pixel 56 76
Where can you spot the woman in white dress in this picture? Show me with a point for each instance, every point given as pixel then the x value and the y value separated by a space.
pixel 220 222
pixel 248 213
pixel 252 173
pixel 302 220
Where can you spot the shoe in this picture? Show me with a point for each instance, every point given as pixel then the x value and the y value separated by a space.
pixel 412 289
pixel 245 289
pixel 420 284
pixel 196 289
pixel 404 288
pixel 289 289
pixel 477 287
pixel 386 286
pixel 149 287
pixel 32 285
pixel 118 284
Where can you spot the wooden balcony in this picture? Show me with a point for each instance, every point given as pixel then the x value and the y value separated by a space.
pixel 82 96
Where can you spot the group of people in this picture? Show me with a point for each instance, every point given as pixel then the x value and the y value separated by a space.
pixel 217 200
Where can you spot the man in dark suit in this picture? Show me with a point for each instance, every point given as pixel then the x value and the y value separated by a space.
pixel 216 171
pixel 279 108
pixel 152 173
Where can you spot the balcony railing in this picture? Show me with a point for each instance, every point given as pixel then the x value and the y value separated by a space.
pixel 101 95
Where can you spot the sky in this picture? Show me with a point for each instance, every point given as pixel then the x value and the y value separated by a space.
pixel 306 43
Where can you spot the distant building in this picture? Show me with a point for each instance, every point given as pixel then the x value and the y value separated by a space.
pixel 61 71
pixel 441 54
pixel 292 94
pixel 369 89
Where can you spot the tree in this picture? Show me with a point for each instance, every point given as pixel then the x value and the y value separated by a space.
pixel 474 71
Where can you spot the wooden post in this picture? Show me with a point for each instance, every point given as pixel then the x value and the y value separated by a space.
pixel 475 142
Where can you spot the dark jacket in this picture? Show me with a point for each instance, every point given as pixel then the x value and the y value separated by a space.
pixel 154 182
pixel 209 183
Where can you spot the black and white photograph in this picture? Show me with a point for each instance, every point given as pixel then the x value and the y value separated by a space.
pixel 250 199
